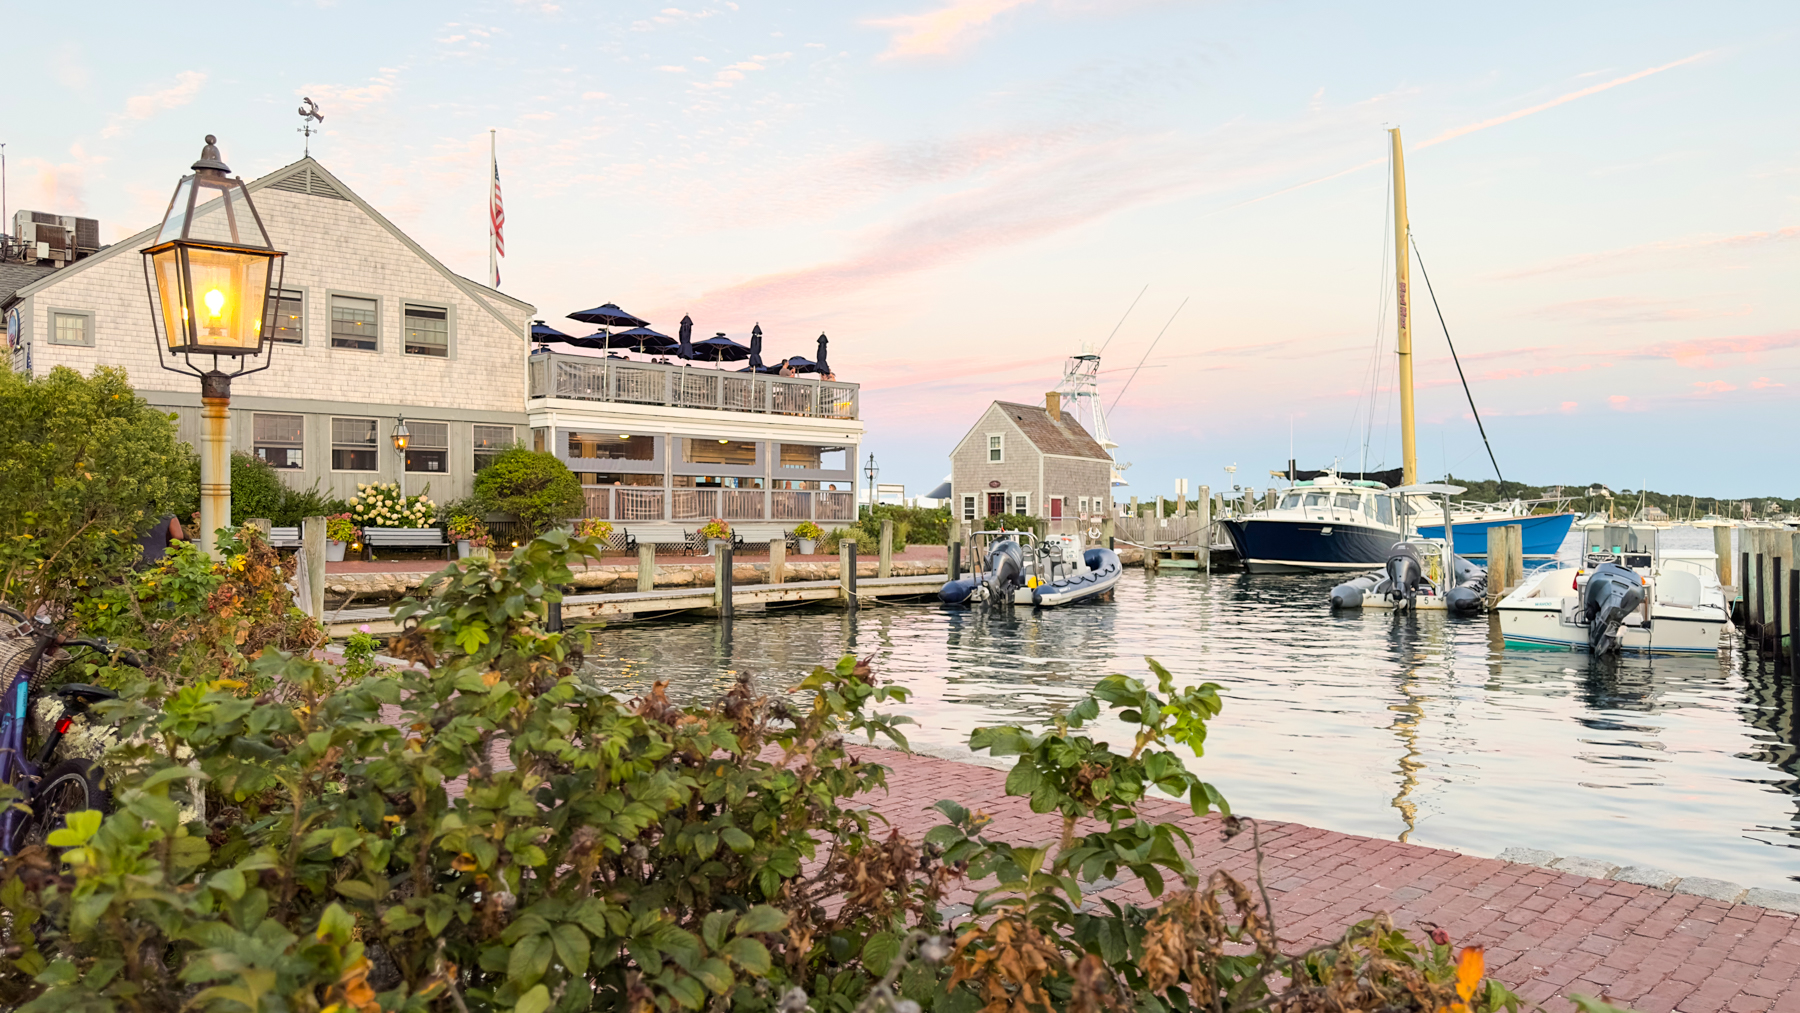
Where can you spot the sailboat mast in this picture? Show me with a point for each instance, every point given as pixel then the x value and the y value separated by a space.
pixel 1409 448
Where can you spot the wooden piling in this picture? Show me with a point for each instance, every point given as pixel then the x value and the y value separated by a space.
pixel 777 561
pixel 722 580
pixel 1722 550
pixel 1134 506
pixel 1497 559
pixel 1772 629
pixel 847 572
pixel 312 552
pixel 1743 589
pixel 1515 554
pixel 646 566
pixel 885 566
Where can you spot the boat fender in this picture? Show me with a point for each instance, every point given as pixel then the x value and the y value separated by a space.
pixel 1350 594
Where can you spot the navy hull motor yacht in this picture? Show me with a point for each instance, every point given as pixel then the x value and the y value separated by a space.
pixel 1322 524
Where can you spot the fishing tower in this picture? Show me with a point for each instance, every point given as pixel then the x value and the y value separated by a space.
pixel 1080 390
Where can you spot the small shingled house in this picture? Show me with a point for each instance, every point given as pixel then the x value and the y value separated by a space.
pixel 1032 460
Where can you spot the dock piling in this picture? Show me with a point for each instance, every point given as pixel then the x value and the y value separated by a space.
pixel 847 571
pixel 312 548
pixel 954 564
pixel 884 567
pixel 1515 554
pixel 1772 630
pixel 554 623
pixel 1722 552
pixel 1757 614
pixel 646 566
pixel 722 580
pixel 1793 624
pixel 1497 558
pixel 778 560
pixel 1743 587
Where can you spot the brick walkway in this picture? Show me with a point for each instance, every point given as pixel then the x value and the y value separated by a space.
pixel 1547 933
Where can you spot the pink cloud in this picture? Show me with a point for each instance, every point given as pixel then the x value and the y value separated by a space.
pixel 1703 387
pixel 142 107
pixel 1764 383
pixel 1744 239
pixel 1699 354
pixel 1613 310
pixel 1568 407
pixel 944 30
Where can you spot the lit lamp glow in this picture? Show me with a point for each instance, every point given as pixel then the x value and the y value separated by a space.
pixel 210 273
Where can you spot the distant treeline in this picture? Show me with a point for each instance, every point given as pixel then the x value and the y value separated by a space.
pixel 1627 501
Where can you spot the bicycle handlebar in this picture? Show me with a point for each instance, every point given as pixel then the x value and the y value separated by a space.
pixel 128 657
pixel 10 611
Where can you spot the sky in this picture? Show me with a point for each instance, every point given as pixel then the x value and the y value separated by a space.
pixel 963 193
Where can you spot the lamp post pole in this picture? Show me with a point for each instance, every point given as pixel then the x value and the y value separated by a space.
pixel 871 470
pixel 215 458
pixel 402 436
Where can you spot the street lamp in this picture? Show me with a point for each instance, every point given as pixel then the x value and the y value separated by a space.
pixel 871 471
pixel 211 273
pixel 402 436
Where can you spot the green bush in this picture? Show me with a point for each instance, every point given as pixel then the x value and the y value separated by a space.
pixel 258 490
pixel 1013 522
pixel 86 466
pixel 534 487
pixel 640 856
pixel 927 525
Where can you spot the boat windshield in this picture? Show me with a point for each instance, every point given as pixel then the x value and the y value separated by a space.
pixel 1347 501
pixel 1384 509
pixel 1290 501
pixel 1317 499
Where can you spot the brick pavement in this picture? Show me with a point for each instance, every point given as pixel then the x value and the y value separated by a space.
pixel 1547 933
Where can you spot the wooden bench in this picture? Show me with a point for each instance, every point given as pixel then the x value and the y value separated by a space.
pixel 403 538
pixel 284 538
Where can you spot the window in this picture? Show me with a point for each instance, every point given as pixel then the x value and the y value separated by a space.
pixel 1084 504
pixel 617 447
pixel 71 328
pixel 353 446
pixel 429 448
pixel 716 482
pixel 1314 500
pixel 1384 509
pixel 1021 505
pixel 618 478
pixel 354 323
pixel 489 442
pixel 278 439
pixel 1291 501
pixel 794 483
pixel 699 451
pixel 540 440
pixel 968 512
pixel 996 453
pixel 812 458
pixel 427 331
pixel 289 303
pixel 1347 501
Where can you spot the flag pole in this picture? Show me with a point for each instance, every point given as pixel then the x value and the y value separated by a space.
pixel 493 172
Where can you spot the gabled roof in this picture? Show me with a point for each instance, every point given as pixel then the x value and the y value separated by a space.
pixel 1062 437
pixel 15 276
pixel 309 177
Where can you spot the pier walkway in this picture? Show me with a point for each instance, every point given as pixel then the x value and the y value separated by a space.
pixel 1548 933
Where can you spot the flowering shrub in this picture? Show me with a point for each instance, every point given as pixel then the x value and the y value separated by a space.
pixel 807 529
pixel 469 528
pixel 340 528
pixel 595 528
pixel 380 505
pixel 715 528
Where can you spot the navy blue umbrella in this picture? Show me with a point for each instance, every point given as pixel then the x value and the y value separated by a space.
pixel 687 337
pixel 720 348
pixel 641 339
pixel 756 347
pixel 543 332
pixel 799 363
pixel 608 315
pixel 823 341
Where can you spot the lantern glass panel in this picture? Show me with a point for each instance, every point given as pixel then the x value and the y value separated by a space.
pixel 230 292
pixel 176 219
pixel 169 293
pixel 222 214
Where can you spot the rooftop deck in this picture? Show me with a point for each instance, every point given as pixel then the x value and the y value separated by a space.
pixel 631 381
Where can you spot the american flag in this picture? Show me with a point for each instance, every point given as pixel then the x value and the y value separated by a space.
pixel 497 221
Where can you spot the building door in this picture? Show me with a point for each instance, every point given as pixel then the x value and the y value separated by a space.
pixel 996 504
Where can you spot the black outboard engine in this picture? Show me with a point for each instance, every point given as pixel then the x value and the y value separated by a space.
pixel 1405 571
pixel 1612 593
pixel 1005 571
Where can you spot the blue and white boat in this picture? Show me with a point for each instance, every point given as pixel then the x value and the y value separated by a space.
pixel 1543 534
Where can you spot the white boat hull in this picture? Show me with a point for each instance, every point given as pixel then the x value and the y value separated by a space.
pixel 1544 613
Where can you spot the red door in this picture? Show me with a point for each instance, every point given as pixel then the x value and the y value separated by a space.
pixel 996 504
pixel 1056 503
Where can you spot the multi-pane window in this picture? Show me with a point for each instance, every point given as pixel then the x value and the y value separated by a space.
pixel 353 446
pixel 1022 505
pixel 289 304
pixel 996 453
pixel 427 331
pixel 618 447
pixel 355 323
pixel 429 447
pixel 1084 504
pixel 968 511
pixel 278 439
pixel 70 329
pixel 489 442
pixel 699 451
pixel 618 478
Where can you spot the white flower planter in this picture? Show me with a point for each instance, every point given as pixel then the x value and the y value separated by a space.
pixel 464 549
pixel 334 551
pixel 712 545
pixel 807 545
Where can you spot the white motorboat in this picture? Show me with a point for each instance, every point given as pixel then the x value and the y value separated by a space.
pixel 1620 601
pixel 1018 569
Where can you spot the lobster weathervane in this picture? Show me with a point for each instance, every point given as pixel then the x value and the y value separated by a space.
pixel 309 116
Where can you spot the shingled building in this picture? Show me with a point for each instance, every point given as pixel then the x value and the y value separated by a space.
pixel 1031 460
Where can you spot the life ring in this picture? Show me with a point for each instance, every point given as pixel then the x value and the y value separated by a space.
pixel 1093 532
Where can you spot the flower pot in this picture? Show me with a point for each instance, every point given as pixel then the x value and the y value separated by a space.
pixel 464 549
pixel 712 545
pixel 334 551
pixel 807 545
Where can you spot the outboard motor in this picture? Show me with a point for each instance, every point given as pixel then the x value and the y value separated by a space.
pixel 1005 571
pixel 1612 593
pixel 1405 571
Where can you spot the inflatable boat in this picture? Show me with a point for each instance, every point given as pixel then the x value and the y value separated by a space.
pixel 1413 578
pixel 1017 569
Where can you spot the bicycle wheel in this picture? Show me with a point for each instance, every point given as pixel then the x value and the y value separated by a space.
pixel 70 786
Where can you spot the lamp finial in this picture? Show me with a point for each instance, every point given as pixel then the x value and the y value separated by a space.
pixel 209 158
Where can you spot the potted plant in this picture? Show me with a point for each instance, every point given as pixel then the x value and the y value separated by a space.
pixel 595 528
pixel 809 534
pixel 469 534
pixel 717 533
pixel 340 531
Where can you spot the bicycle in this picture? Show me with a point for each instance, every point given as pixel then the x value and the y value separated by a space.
pixel 72 785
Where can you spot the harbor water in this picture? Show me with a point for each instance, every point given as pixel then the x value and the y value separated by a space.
pixel 1418 727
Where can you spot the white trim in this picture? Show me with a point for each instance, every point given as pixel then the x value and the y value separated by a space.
pixel 87 327
pixel 996 441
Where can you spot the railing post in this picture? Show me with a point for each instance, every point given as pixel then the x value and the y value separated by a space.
pixel 646 566
pixel 885 568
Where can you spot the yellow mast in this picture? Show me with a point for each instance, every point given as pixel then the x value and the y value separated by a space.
pixel 1409 447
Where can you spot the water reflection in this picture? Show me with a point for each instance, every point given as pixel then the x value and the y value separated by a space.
pixel 1414 726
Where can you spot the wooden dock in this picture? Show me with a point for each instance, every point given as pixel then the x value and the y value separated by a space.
pixel 577 608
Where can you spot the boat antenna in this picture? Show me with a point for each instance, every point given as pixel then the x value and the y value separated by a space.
pixel 1140 365
pixel 1121 322
pixel 1459 370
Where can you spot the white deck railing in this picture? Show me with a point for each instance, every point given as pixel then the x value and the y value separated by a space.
pixel 591 379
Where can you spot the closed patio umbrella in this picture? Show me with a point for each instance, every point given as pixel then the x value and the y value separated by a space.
pixel 823 341
pixel 756 347
pixel 687 337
